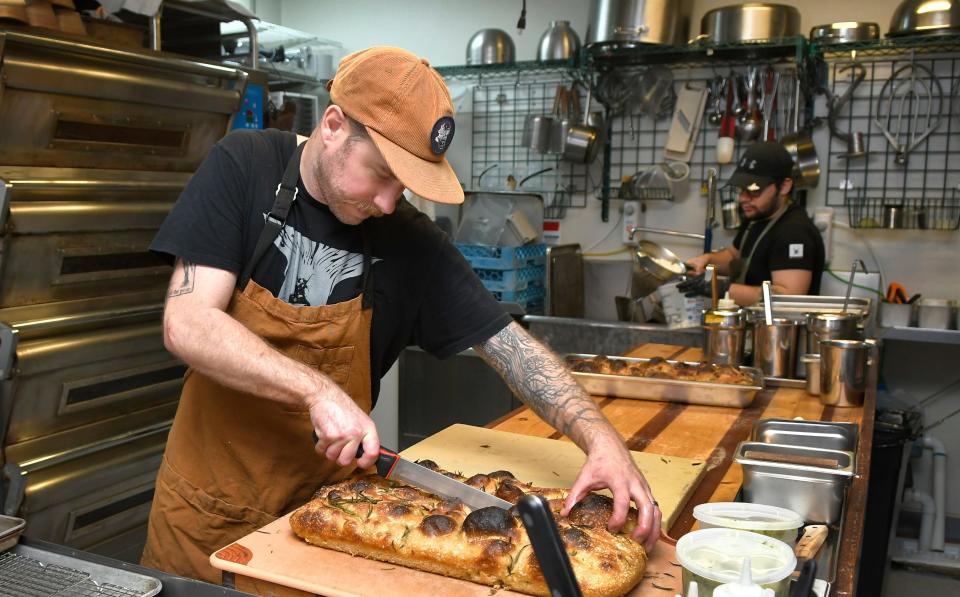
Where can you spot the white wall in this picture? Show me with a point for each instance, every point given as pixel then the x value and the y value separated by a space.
pixel 924 261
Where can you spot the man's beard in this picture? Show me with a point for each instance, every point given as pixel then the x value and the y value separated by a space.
pixel 766 214
pixel 333 195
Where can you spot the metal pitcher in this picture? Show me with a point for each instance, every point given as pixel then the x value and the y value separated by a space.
pixel 723 336
pixel 774 347
pixel 843 372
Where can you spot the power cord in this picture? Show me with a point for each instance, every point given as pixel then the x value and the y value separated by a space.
pixel 522 21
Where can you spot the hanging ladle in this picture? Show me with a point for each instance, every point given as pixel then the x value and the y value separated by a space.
pixel 853 273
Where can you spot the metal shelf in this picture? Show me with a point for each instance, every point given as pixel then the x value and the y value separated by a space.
pixel 694 55
pixel 528 67
pixel 926 335
pixel 891 46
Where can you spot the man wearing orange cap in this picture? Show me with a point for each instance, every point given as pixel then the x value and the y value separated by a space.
pixel 300 275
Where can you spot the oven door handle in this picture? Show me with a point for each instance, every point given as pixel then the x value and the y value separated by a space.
pixel 15 483
pixel 8 350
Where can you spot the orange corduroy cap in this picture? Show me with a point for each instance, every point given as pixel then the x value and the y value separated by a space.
pixel 408 112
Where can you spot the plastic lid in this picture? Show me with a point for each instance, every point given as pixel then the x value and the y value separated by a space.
pixel 717 555
pixel 727 303
pixel 744 587
pixel 747 517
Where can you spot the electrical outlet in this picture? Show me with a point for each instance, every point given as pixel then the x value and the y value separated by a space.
pixel 823 220
pixel 631 218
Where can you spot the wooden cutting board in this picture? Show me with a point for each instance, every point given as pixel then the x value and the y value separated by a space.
pixel 550 463
pixel 273 561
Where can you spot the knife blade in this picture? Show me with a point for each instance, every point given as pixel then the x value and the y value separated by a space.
pixel 391 465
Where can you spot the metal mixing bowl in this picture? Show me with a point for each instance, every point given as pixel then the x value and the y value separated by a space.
pixel 921 17
pixel 490 46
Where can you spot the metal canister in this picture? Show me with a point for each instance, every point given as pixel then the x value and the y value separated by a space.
pixel 723 335
pixel 843 372
pixel 774 347
pixel 830 326
pixel 812 366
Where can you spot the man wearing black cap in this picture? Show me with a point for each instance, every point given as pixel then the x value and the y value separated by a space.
pixel 778 241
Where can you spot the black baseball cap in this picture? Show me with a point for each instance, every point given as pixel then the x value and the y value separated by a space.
pixel 763 163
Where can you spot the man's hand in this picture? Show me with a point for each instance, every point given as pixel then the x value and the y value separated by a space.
pixel 700 286
pixel 541 380
pixel 341 426
pixel 612 467
pixel 699 264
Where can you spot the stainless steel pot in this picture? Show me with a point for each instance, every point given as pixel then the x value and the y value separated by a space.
pixel 755 21
pixel 846 32
pixel 922 17
pixel 806 164
pixel 490 46
pixel 583 141
pixel 616 23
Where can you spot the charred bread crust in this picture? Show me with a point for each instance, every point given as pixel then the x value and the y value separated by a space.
pixel 372 517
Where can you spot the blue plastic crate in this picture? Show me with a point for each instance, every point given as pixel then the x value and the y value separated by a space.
pixel 511 279
pixel 490 257
pixel 530 294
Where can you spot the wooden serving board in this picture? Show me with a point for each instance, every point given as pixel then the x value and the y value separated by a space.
pixel 273 561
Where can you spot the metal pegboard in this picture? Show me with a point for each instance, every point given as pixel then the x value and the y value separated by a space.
pixel 638 140
pixel 931 171
pixel 499 159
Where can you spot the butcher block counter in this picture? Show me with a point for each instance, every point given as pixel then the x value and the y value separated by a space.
pixel 686 452
pixel 712 433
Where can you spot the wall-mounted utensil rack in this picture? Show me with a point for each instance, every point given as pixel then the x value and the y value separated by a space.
pixel 905 106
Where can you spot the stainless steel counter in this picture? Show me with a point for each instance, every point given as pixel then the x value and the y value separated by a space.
pixel 569 335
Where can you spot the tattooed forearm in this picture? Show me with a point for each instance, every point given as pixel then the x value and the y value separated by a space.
pixel 540 379
pixel 186 282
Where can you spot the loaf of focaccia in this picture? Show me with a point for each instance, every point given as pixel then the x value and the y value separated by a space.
pixel 369 516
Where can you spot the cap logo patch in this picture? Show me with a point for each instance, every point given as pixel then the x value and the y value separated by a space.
pixel 442 135
pixel 753 187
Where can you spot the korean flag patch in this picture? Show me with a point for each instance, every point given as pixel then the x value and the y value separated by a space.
pixel 796 251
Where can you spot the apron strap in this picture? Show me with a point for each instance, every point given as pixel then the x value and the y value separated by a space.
pixel 286 195
pixel 367 300
pixel 742 276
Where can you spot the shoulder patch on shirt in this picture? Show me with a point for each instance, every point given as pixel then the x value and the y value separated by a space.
pixel 796 251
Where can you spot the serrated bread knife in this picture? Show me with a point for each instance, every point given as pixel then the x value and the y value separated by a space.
pixel 391 465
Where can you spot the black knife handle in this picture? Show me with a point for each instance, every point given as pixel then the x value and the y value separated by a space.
pixel 803 587
pixel 385 462
pixel 548 546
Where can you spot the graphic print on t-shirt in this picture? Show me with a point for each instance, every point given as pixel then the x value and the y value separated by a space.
pixel 313 268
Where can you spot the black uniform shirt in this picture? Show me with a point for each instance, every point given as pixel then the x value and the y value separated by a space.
pixel 793 243
pixel 424 291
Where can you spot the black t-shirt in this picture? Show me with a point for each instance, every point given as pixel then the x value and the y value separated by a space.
pixel 793 243
pixel 424 291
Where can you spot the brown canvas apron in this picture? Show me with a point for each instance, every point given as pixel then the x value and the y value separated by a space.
pixel 235 462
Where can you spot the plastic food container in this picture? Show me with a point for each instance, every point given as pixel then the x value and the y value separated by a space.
pixel 712 557
pixel 771 521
